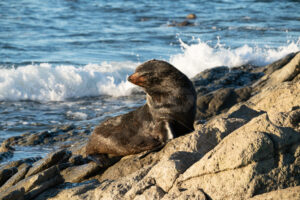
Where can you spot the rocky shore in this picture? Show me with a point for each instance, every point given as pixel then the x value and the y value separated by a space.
pixel 246 145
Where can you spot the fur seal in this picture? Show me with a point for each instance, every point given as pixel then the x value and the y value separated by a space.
pixel 169 112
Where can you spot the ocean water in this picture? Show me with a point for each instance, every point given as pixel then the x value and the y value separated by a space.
pixel 67 61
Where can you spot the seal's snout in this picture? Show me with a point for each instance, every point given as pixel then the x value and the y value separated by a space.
pixel 137 79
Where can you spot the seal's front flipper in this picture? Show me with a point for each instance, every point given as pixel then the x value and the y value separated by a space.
pixel 104 160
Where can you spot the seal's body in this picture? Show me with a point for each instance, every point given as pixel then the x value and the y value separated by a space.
pixel 169 112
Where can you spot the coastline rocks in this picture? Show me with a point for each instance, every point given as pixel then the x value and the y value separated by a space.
pixel 77 174
pixel 180 24
pixel 5 174
pixel 186 22
pixel 51 159
pixel 246 145
pixel 219 88
pixel 33 185
pixel 62 136
pixel 6 151
pixel 289 193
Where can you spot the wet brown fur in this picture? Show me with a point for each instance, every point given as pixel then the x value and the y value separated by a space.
pixel 171 102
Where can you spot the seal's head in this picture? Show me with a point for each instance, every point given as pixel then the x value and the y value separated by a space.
pixel 156 76
pixel 170 94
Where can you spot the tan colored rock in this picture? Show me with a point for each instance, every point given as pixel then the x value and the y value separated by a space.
pixel 246 162
pixel 126 187
pixel 37 183
pixel 228 184
pixel 84 190
pixel 194 193
pixel 77 174
pixel 291 193
pixel 280 98
pixel 153 192
pixel 237 150
pixel 280 71
pixel 166 171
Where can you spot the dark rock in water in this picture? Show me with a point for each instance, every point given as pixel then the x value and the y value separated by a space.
pixel 66 128
pixel 6 151
pixel 183 23
pixel 5 147
pixel 220 88
pixel 18 163
pixel 6 155
pixel 220 77
pixel 36 139
pixel 5 174
pixel 191 16
pixel 213 103
pixel 54 158
pixel 62 137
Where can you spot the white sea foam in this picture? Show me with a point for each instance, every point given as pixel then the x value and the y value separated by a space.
pixel 56 83
pixel 198 57
pixel 77 115
pixel 45 82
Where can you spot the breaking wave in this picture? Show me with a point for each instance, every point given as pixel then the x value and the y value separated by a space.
pixel 45 82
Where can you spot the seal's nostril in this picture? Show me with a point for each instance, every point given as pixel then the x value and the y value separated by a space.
pixel 129 78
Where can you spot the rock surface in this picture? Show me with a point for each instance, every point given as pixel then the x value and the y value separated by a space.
pixel 246 145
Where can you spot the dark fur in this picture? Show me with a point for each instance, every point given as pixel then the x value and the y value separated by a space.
pixel 171 102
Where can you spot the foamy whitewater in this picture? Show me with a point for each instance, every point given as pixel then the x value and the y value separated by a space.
pixel 45 82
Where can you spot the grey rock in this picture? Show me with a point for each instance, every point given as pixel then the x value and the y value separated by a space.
pixel 14 195
pixel 44 186
pixel 220 88
pixel 37 183
pixel 50 160
pixel 18 163
pixel 16 177
pixel 5 174
pixel 79 173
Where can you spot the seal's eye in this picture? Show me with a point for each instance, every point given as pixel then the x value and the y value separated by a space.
pixel 155 80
